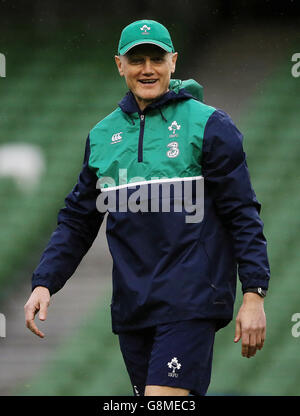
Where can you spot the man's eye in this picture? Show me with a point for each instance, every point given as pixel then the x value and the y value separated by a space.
pixel 136 61
pixel 158 59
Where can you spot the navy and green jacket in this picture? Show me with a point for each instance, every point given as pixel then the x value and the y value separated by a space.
pixel 164 268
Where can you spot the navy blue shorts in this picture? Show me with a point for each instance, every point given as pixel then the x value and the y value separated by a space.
pixel 176 354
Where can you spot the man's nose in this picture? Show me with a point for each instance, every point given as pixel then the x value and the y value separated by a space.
pixel 147 67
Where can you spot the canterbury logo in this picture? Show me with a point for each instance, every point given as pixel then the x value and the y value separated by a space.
pixel 116 138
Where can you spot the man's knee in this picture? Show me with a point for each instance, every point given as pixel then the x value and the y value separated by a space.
pixel 165 391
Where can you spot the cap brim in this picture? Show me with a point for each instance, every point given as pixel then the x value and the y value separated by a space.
pixel 131 45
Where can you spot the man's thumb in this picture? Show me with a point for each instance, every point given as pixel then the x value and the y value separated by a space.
pixel 43 312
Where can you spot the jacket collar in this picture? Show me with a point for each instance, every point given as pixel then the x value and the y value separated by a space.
pixel 129 105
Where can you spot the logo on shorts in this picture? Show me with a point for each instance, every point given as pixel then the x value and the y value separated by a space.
pixel 175 365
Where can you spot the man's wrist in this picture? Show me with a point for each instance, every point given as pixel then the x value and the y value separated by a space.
pixel 41 287
pixel 256 290
pixel 252 298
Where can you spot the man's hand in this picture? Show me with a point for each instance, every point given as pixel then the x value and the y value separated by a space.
pixel 251 324
pixel 38 301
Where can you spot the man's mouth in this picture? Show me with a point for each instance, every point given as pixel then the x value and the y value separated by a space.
pixel 147 81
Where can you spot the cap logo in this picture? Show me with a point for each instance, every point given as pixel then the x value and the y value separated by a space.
pixel 145 30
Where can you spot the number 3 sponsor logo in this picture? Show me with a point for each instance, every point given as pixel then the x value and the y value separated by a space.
pixel 174 151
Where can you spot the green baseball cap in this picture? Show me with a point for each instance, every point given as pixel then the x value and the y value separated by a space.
pixel 145 31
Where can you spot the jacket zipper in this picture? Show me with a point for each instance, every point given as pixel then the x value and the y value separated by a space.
pixel 141 138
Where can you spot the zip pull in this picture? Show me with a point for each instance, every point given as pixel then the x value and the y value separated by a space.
pixel 141 138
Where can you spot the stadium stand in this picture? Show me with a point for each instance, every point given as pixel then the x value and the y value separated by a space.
pixel 43 107
pixel 271 128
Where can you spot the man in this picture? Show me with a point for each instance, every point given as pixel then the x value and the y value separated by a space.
pixel 174 277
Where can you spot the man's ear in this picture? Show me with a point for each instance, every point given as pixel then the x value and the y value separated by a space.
pixel 118 61
pixel 174 59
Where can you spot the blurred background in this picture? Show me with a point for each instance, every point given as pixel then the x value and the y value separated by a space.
pixel 60 81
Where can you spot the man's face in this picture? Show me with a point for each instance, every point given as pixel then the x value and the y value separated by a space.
pixel 147 70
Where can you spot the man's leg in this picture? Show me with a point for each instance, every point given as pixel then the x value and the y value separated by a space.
pixel 181 357
pixel 165 391
pixel 171 359
pixel 136 348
